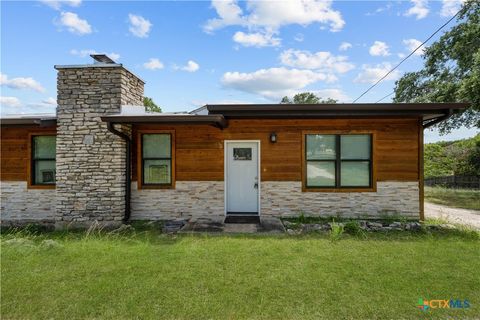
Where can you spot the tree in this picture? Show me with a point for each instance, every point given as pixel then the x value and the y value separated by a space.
pixel 461 157
pixel 451 71
pixel 150 105
pixel 306 98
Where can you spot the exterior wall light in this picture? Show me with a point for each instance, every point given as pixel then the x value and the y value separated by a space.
pixel 273 137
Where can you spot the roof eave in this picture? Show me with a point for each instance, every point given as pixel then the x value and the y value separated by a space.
pixel 215 120
pixel 47 122
pixel 370 107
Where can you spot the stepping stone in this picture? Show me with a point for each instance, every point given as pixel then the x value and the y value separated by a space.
pixel 240 228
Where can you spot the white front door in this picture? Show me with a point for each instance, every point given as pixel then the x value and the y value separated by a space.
pixel 242 177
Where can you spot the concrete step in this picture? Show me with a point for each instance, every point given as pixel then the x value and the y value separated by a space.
pixel 241 228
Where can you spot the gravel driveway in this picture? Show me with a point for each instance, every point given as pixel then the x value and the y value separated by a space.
pixel 453 215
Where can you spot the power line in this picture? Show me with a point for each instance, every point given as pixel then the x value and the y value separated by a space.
pixel 385 96
pixel 403 60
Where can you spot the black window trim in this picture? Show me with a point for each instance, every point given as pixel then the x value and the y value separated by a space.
pixel 154 158
pixel 34 160
pixel 338 162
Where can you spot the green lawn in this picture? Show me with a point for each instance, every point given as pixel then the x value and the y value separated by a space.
pixel 458 198
pixel 152 276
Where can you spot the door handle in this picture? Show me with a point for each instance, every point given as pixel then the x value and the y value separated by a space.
pixel 255 185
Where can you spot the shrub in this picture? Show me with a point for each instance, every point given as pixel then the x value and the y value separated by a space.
pixel 352 227
pixel 336 231
pixel 302 218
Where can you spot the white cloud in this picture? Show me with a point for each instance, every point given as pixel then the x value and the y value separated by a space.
pixel 419 9
pixel 139 26
pixel 10 102
pixel 371 74
pixel 412 44
pixel 336 94
pixel 21 83
pixel 274 83
pixel 302 12
pixel 15 106
pixel 387 7
pixel 191 66
pixel 50 101
pixel 321 61
pixel 57 4
pixel 201 103
pixel 256 39
pixel 74 23
pixel 379 48
pixel 87 52
pixel 299 37
pixel 267 17
pixel 450 7
pixel 344 46
pixel 153 64
pixel 229 13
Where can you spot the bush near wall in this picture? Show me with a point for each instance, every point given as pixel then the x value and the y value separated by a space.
pixel 448 158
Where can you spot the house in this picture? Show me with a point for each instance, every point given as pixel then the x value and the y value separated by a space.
pixel 103 158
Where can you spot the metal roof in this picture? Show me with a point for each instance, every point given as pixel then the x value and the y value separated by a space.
pixel 191 119
pixel 219 114
pixel 42 120
pixel 428 111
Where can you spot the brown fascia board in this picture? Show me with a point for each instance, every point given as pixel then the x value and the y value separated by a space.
pixel 427 111
pixel 218 108
pixel 18 122
pixel 215 120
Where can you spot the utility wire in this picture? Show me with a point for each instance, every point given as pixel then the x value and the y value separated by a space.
pixel 385 96
pixel 411 53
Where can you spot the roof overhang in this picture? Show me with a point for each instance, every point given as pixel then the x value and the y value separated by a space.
pixel 426 111
pixel 216 120
pixel 29 121
pixel 218 115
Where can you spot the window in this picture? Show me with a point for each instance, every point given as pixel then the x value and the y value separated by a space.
pixel 156 159
pixel 242 153
pixel 43 160
pixel 338 161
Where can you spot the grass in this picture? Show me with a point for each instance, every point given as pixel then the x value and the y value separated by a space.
pixel 151 276
pixel 458 198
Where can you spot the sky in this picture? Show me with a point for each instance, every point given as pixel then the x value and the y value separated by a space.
pixel 194 53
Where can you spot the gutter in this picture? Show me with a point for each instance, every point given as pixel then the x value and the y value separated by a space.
pixel 128 182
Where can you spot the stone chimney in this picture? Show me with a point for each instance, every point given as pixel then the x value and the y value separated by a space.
pixel 90 178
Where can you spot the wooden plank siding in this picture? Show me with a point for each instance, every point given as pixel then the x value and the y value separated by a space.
pixel 200 154
pixel 15 153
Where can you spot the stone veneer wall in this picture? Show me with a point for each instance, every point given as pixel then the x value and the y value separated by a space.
pixel 188 199
pixel 20 205
pixel 278 198
pixel 283 199
pixel 90 160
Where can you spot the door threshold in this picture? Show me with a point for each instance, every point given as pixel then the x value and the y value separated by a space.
pixel 236 218
pixel 242 214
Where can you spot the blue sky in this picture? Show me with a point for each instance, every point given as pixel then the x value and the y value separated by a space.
pixel 192 53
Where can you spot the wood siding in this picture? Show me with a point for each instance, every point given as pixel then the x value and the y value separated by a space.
pixel 199 149
pixel 200 154
pixel 15 153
